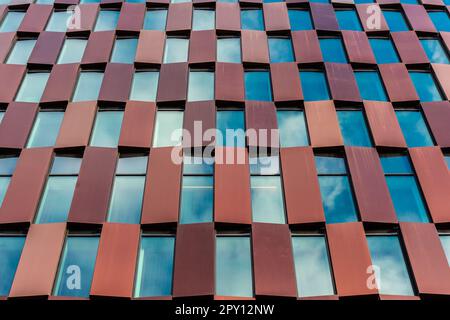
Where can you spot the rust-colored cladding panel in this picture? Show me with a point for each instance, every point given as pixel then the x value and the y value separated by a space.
pixel 301 186
pixel 162 189
pixel 116 83
pixel 6 42
pixel 36 18
pixel 342 82
pixel 199 117
pixel 323 125
pixel 350 258
pixel 77 124
pixel 285 82
pixel 276 16
pixel 10 78
pixel 228 16
pixel 427 258
pixel 386 131
pixel 366 14
pixel 262 115
pixel 38 264
pixel 61 83
pixel 172 84
pixel 409 47
pixel 179 17
pixel 99 47
pixel 91 196
pixel 306 46
pixel 150 47
pixel 27 183
pixel 131 17
pixel 88 16
pixel 115 265
pixel 418 18
pixel 16 124
pixel 371 191
pixel 397 82
pixel 358 47
pixel 254 46
pixel 194 266
pixel 273 262
pixel 137 124
pixel 47 48
pixel 232 196
pixel 229 82
pixel 434 178
pixel 324 17
pixel 443 77
pixel 446 39
pixel 438 118
pixel 202 46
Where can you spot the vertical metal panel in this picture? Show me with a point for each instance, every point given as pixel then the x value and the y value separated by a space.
pixel 438 118
pixel 172 84
pixel 409 47
pixel 36 18
pixel 285 82
pixel 131 17
pixel 99 47
pixel 228 17
pixel 179 17
pixel 366 15
pixel 137 124
pixel 150 47
pixel 324 17
pixel 61 83
pixel 418 18
pixel 254 46
pixel 202 46
pixel 342 82
pixel 306 46
pixel 261 116
pixel 358 47
pixel 199 117
pixel 16 124
pixel 276 16
pixel 229 82
pixel 116 83
pixel 398 84
pixel 442 74
pixel 6 42
pixel 47 48
pixel 88 16
pixel 10 78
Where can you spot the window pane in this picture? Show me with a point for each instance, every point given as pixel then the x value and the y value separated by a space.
pixel 201 86
pixel 447 159
pixel 314 85
pixel 330 165
pixel 267 199
pixel 21 52
pixel 197 199
pixel 434 50
pixel 233 267
pixel 414 128
pixel 440 19
pixel 395 20
pixel 124 50
pixel 45 129
pixel 8 165
pixel 445 240
pixel 145 85
pixel 425 86
pixel 132 165
pixel 107 20
pixel 176 50
pixel 88 86
pixel 168 128
pixel 203 19
pixel 354 128
pixel 300 20
pixel 58 21
pixel 12 21
pixel 396 164
pixel 66 165
pixel 155 19
pixel 4 183
pixel 72 51
pixel 252 19
pixel 370 85
pixel 126 199
pixel 229 50
pixel 384 51
pixel 387 255
pixel 312 266
pixel 2 115
pixel 235 123
pixel 10 251
pixel 78 258
pixel 155 267
pixel 363 1
pixel 265 165
pixel 333 50
pixel 107 129
pixel 280 50
pixel 197 165
pixel 32 87
pixel 258 86
pixel 292 127
pixel 348 20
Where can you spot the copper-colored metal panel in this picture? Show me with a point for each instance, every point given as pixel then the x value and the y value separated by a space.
pixel 194 273
pixel 39 261
pixel 10 78
pixel 276 16
pixel 16 124
pixel 254 46
pixel 172 84
pixel 366 15
pixel 438 118
pixel 6 42
pixel 443 76
pixel 324 17
pixel 301 186
pixel 409 47
pixel 358 47
pixel 228 16
pixel 273 262
pixel 99 47
pixel 47 48
pixel 261 116
pixel 92 192
pixel 179 17
pixel 116 83
pixel 61 83
pixel 150 47
pixel 306 46
pixel 115 265
pixel 137 124
pixel 350 258
pixel 199 117
pixel 24 191
pixel 446 39
pixel 36 18
pixel 131 17
pixel 285 82
pixel 229 82
pixel 418 18
pixel 323 125
pixel 202 46
pixel 87 16
pixel 342 82
pixel 434 178
pixel 162 189
pixel 397 82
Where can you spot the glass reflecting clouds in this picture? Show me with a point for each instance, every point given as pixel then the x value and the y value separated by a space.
pixel 434 50
pixel 229 50
pixel 107 20
pixel 267 199
pixel 107 129
pixel 330 165
pixel 132 165
pixel 333 50
pixel 155 19
pixel 414 128
pixel 370 85
pixel 176 50
pixel 252 19
pixel 314 85
pixel 280 50
pixel 395 20
pixel 201 86
pixel 300 20
pixel 7 165
pixel 145 86
pixel 292 127
pixel 203 19
pixel 440 20
pixel 384 50
pixel 124 51
pixel 348 20
pixel 72 51
pixel 354 128
pixel 235 123
pixel 168 128
pixel 10 251
pixel 197 199
pixel 21 51
pixel 45 129
pixel 66 165
pixel 126 199
pixel 258 85
pixel 396 165
pixel 32 87
pixel 88 86
pixel 445 241
pixel 12 21
pixel 58 21
pixel 425 86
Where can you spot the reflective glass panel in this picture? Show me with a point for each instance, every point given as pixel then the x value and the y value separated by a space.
pixel 280 50
pixel 21 51
pixel 333 50
pixel 203 19
pixel 155 19
pixel 124 51
pixel 145 86
pixel 72 51
pixel 45 129
pixel 107 129
pixel 425 86
pixel 384 50
pixel 370 85
pixel 267 199
pixel 126 199
pixel 235 123
pixel 168 128
pixel 32 87
pixel 197 199
pixel 10 251
pixel 229 50
pixel 292 128
pixel 176 50
pixel 300 20
pixel 354 128
pixel 314 85
pixel 88 86
pixel 201 86
pixel 434 50
pixel 107 20
pixel 414 128
pixel 252 19
pixel 258 86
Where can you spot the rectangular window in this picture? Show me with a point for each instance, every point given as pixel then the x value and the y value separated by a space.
pixel 395 20
pixel 107 20
pixel 12 21
pixel 333 50
pixel 10 251
pixel 234 266
pixel 32 87
pixel 348 20
pixel 229 50
pixel 280 50
pixel 176 50
pixel 231 128
pixel 314 85
pixel 145 86
pixel 124 50
pixel 203 19
pixel 88 86
pixel 370 85
pixel 252 19
pixel 445 241
pixel 425 86
pixel 21 51
pixel 434 50
pixel 384 50
pixel 58 21
pixel 300 19
pixel 168 128
pixel 7 167
pixel 447 160
pixel 354 128
pixel 45 129
pixel 414 128
pixel 155 19
pixel 107 128
pixel 440 20
pixel 72 51
pixel 201 85
pixel 292 128
pixel 258 85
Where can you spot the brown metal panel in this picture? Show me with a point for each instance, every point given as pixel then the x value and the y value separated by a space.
pixel 301 186
pixel 306 46
pixel 137 124
pixel 162 189
pixel 172 84
pixel 397 82
pixel 116 83
pixel 228 16
pixel 202 46
pixel 409 47
pixel 39 261
pixel 350 258
pixel 194 266
pixel 434 178
pixel 47 48
pixel 276 16
pixel 232 197
pixel 366 14
pixel 61 83
pixel 131 17
pixel 446 39
pixel 443 76
pixel 6 42
pixel 199 117
pixel 285 82
pixel 92 192
pixel 27 184
pixel 150 47
pixel 324 17
pixel 16 124
pixel 88 16
pixel 342 82
pixel 358 47
pixel 10 78
pixel 254 46
pixel 99 47
pixel 427 258
pixel 386 131
pixel 418 18
pixel 323 125
pixel 273 261
pixel 229 82
pixel 261 116
pixel 438 118
pixel 179 17
pixel 36 18
pixel 115 265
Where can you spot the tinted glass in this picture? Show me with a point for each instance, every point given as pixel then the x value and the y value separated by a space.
pixel 258 86
pixel 354 128
pixel 7 165
pixel 300 20
pixel 252 19
pixel 235 123
pixel 107 129
pixel 333 50
pixel 445 240
pixel 197 199
pixel 414 128
pixel 330 165
pixel 314 85
pixel 58 21
pixel 155 19
pixel 132 165
pixel 348 20
pixel 145 85
pixel 126 199
pixel 396 164
pixel 425 86
pixel 12 21
pixel 88 86
pixel 21 52
pixel 10 251
pixel 65 165
pixel 384 51
pixel 124 51
pixel 292 128
pixel 107 20
pixel 32 87
pixel 176 50
pixel 280 50
pixel 45 129
pixel 4 184
pixel 72 51
pixel 370 85
pixel 267 199
pixel 264 165
pixel 434 50
pixel 229 50
pixel 395 20
pixel 168 128
pixel 440 19
pixel 203 19
pixel 201 86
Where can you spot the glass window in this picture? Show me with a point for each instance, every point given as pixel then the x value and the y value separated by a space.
pixel 155 19
pixel 434 50
pixel 300 19
pixel 447 159
pixel 348 20
pixel 414 128
pixel 155 267
pixel 10 251
pixel 2 115
pixel 384 50
pixel 292 128
pixel 314 85
pixel 201 86
pixel 258 86
pixel 89 1
pixel 176 50
pixel 440 19
pixel 77 266
pixel 280 50
pixel 32 87
pixel 58 21
pixel 425 86
pixel 335 188
pixel 252 19
pixel 124 50
pixel 370 85
pixel 88 86
pixel 21 51
pixel 409 1
pixel 354 128
pixel 145 86
pixel 229 50
pixel 203 19
pixel 234 266
pixel 395 20
pixel 7 167
pixel 107 129
pixel 333 50
pixel 12 21
pixel 363 1
pixel 445 240
pixel 168 128
pixel 312 266
pixel 391 272
pixel 72 51
pixel 231 125
pixel 45 129
pixel 107 20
